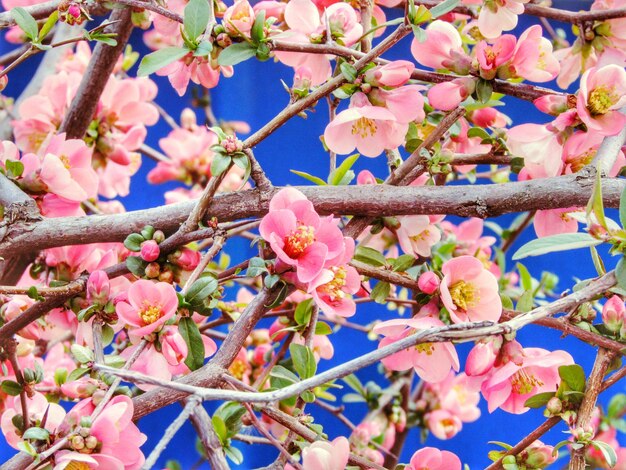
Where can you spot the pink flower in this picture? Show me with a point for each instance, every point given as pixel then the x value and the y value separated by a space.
pixel 496 17
pixel 239 18
pixel 490 57
pixel 324 455
pixel 299 237
pixel 428 282
pixel 482 356
pixel 113 440
pixel 98 287
pixel 148 307
pixel 469 291
pixel 333 290
pixel 539 146
pixel 555 221
pixel 509 386
pixel 430 458
pixel 533 58
pixel 417 235
pixel 369 129
pixel 431 361
pixel 449 95
pixel 197 69
pixel 394 74
pixel 443 424
pixel 614 313
pixel 366 177
pixel 602 93
pixel 443 49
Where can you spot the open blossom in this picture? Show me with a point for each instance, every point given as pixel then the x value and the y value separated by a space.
pixel 417 235
pixel 324 455
pixel 555 221
pixel 540 147
pixel 112 440
pixel 148 307
pixel 491 56
pixel 299 236
pixel 509 386
pixel 199 70
pixel 370 129
pixel 469 291
pixel 431 361
pixel 431 458
pixel 533 58
pixel 602 93
pixel 497 16
pixel 239 18
pixel 443 48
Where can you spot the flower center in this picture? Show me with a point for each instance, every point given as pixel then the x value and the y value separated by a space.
pixel 420 237
pixel 237 369
pixel 299 240
pixel 74 465
pixel 600 100
pixel 464 295
pixel 523 382
pixel 65 160
pixel 150 313
pixel 425 348
pixel 334 288
pixel 364 127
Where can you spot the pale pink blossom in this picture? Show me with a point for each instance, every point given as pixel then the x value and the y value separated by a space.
pixel 491 56
pixel 443 48
pixel 496 17
pixel 430 458
pixel 482 356
pixel 449 95
pixel 431 361
pixel 393 74
pixel 533 58
pixel 602 93
pixel 199 70
pixel 488 117
pixel 239 18
pixel 324 455
pixel 369 129
pixel 148 307
pixel 406 102
pixel 443 424
pixel 365 177
pixel 539 145
pixel 508 387
pixel 417 235
pixel 469 291
pixel 555 221
pixel 300 238
pixel 428 282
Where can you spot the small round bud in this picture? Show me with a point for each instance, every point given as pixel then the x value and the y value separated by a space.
pixel 153 270
pixel 554 406
pixel 91 442
pixel 77 442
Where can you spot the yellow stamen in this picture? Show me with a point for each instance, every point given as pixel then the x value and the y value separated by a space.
pixel 600 100
pixel 425 348
pixel 237 369
pixel 523 382
pixel 74 465
pixel 464 295
pixel 150 313
pixel 299 240
pixel 364 127
pixel 334 288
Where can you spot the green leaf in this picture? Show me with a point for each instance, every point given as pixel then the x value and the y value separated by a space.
pixel 159 59
pixel 303 312
pixel 220 428
pixel 308 396
pixel 607 452
pixel 284 374
pixel 402 263
pixel 201 289
pixel 82 354
pixel 303 360
pixel 620 273
pixel 354 383
pixel 220 164
pixel 348 71
pixel 48 25
pixel 560 242
pixel 484 89
pixel 11 387
pixel 507 303
pixel 136 265
pixel 77 374
pixel 616 405
pixel 525 277
pixel 196 18
pixel 574 376
pixel 311 178
pixel 33 293
pixel 105 39
pixel 338 176
pixel 271 280
pixel 256 266
pixel 370 256
pixel 442 8
pixel 173 465
pixel 234 454
pixel 256 33
pixel 419 34
pixel 525 302
pixel 195 347
pixel 380 292
pixel 203 49
pixel 14 168
pixel 478 132
pixel 36 434
pixel 597 261
pixel 26 22
pixel 322 328
pixel 236 53
pixel 539 400
pixel 133 242
pixel 595 204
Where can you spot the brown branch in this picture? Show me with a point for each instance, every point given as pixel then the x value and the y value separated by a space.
pixel 204 427
pixel 96 76
pixel 384 275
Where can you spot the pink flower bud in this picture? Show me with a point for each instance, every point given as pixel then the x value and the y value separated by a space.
pixel 394 74
pixel 538 455
pixel 613 313
pixel 188 259
pixel 259 354
pixel 448 95
pixel 428 282
pixel 483 355
pixel 512 351
pixel 188 119
pixel 552 104
pixel 98 287
pixel 276 327
pixel 302 78
pixel 173 347
pixel 366 177
pixel 150 251
pixel 74 10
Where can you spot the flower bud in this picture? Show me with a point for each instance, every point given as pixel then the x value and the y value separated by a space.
pixel 91 442
pixel 152 270
pixel 428 282
pixel 366 177
pixel 613 314
pixel 150 250
pixel 77 442
pixel 98 287
pixel 188 119
pixel 513 351
pixel 554 406
pixel 483 355
pixel 538 455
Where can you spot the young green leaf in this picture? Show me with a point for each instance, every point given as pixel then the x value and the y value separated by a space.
pixel 338 175
pixel 607 452
pixel 159 59
pixel 595 204
pixel 26 22
pixel 539 400
pixel 36 434
pixel 442 8
pixel 256 33
pixel 11 387
pixel 236 53
pixel 48 25
pixel 574 376
pixel 188 329
pixel 560 242
pixel 311 178
pixel 369 256
pixel 196 18
pixel 303 360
